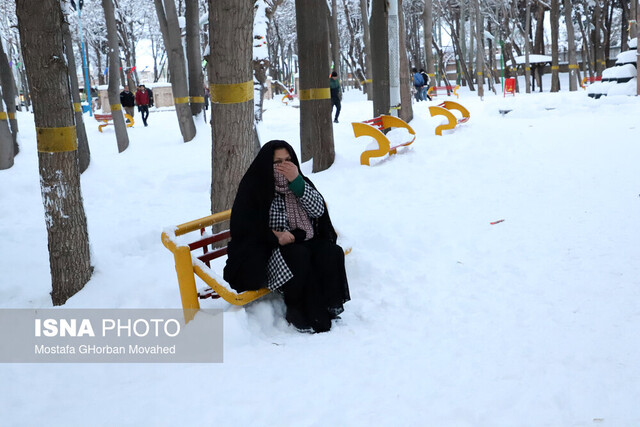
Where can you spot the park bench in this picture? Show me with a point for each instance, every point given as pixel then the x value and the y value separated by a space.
pixel 190 264
pixel 288 97
pixel 433 90
pixel 107 119
pixel 374 128
pixel 444 109
pixel 589 80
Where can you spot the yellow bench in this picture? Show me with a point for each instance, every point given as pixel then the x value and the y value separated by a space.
pixel 189 265
pixel 444 110
pixel 374 128
pixel 433 90
pixel 107 120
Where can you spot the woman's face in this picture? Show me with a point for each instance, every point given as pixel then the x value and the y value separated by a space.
pixel 281 155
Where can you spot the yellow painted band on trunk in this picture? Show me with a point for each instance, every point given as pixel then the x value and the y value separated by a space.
pixel 527 68
pixel 77 107
pixel 479 73
pixel 431 74
pixel 12 116
pixel 197 99
pixel 116 107
pixel 366 81
pixel 57 140
pixel 235 93
pixel 555 67
pixel 3 115
pixel 314 94
pixel 573 67
pixel 182 100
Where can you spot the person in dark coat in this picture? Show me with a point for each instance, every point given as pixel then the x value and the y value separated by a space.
pixel 143 100
pixel 336 94
pixel 418 82
pixel 425 88
pixel 128 101
pixel 282 239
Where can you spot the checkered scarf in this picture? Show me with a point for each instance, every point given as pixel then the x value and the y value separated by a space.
pixel 296 214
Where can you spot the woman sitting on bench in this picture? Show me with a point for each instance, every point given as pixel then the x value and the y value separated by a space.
pixel 282 238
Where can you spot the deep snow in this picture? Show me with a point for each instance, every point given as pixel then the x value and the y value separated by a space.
pixel 453 321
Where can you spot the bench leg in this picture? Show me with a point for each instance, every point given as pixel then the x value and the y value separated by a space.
pixel 187 283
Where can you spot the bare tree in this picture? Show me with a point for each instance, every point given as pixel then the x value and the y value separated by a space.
pixel 406 112
pixel 428 38
pixel 316 130
pixel 194 57
pixel 368 64
pixel 573 62
pixel 39 22
pixel 6 141
pixel 334 37
pixel 230 75
pixel 84 155
pixel 527 47
pixel 114 78
pixel 479 49
pixel 168 19
pixel 555 26
pixel 380 57
pixel 9 96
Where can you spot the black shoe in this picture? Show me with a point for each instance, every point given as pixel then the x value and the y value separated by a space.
pixel 335 121
pixel 298 321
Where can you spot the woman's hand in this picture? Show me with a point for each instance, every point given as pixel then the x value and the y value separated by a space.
pixel 284 237
pixel 288 169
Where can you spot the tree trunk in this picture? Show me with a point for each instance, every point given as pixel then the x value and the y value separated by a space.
pixel 472 37
pixel 555 24
pixel 527 48
pixel 39 22
pixel 456 41
pixel 462 45
pixel 114 78
pixel 316 130
pixel 230 74
pixel 380 57
pixel 634 30
pixel 100 69
pixel 6 140
pixel 573 63
pixel 194 57
pixel 538 41
pixel 406 112
pixel 84 155
pixel 597 38
pixel 428 38
pixel 8 118
pixel 25 86
pixel 168 19
pixel 479 49
pixel 335 38
pixel 586 49
pixel 368 71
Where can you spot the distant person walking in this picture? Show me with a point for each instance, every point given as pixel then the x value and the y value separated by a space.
pixel 425 86
pixel 336 94
pixel 143 101
pixel 418 82
pixel 128 101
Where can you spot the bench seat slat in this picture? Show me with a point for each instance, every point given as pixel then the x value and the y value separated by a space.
pixel 213 254
pixel 209 240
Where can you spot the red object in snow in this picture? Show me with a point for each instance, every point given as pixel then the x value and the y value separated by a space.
pixel 497 222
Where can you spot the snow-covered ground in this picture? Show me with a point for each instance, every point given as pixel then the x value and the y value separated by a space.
pixel 533 321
